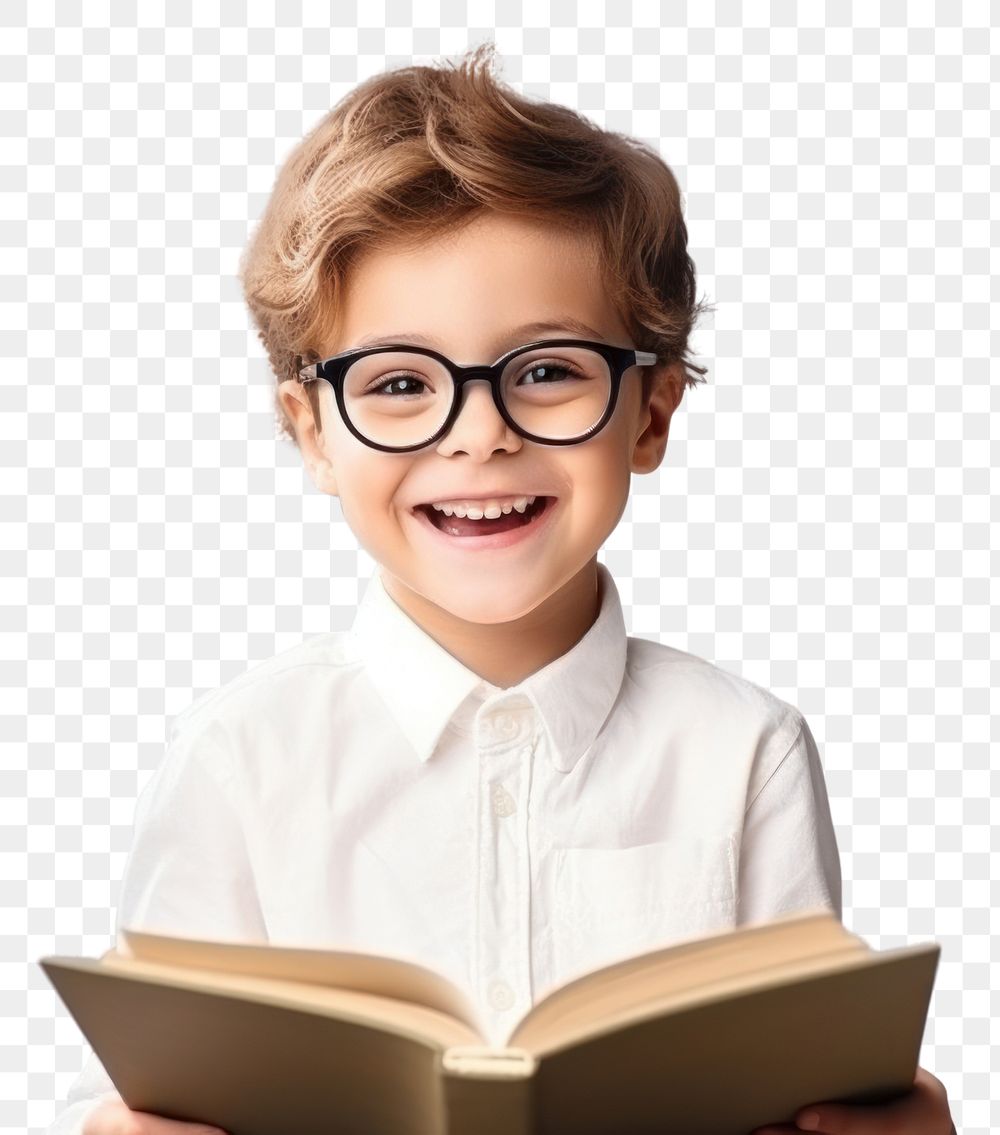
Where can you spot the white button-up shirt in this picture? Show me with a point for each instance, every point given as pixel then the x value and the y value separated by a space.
pixel 366 791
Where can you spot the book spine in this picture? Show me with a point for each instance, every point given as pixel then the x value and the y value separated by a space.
pixel 487 1091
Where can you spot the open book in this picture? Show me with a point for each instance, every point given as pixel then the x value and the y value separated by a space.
pixel 713 1036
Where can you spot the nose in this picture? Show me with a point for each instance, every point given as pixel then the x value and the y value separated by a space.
pixel 479 428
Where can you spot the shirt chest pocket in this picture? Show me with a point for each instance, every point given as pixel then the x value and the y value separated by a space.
pixel 611 903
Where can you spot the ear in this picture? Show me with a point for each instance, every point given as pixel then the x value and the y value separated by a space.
pixel 309 436
pixel 666 391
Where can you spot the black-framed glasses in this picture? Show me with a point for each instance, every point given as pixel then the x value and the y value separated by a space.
pixel 399 398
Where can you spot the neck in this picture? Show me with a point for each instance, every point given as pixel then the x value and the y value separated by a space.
pixel 504 654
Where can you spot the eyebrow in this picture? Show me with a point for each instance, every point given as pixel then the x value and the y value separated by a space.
pixel 512 336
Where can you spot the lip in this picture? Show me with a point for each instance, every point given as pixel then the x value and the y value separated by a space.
pixel 498 540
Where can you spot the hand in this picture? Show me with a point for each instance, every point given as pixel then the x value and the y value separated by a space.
pixel 114 1117
pixel 922 1111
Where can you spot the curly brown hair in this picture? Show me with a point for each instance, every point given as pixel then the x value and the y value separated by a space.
pixel 412 153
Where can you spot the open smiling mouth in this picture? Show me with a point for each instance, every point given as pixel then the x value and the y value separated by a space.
pixel 463 526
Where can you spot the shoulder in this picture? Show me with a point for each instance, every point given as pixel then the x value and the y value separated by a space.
pixel 708 699
pixel 271 690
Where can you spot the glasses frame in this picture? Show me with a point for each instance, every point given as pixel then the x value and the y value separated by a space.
pixel 333 370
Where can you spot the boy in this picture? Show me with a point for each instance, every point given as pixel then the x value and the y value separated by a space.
pixel 486 774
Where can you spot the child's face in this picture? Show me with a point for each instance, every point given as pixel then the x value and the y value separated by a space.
pixel 464 293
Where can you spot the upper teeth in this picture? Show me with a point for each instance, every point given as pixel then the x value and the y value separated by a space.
pixel 476 510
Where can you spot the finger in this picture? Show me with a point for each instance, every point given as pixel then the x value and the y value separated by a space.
pixel 924 1108
pixel 927 1083
pixel 151 1124
pixel 115 1117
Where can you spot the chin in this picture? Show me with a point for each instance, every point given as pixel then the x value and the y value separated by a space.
pixel 495 618
pixel 486 608
pixel 486 612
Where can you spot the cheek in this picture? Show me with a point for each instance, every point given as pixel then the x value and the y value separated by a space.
pixel 601 482
pixel 367 483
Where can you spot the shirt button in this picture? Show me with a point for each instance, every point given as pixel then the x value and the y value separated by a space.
pixel 505 725
pixel 503 802
pixel 500 995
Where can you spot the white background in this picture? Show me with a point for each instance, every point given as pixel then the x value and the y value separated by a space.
pixel 822 522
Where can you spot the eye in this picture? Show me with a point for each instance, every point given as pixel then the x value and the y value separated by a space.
pixel 549 372
pixel 383 385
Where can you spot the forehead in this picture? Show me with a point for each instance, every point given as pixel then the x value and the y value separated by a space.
pixel 465 292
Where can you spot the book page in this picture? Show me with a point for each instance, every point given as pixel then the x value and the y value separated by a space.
pixel 366 973
pixel 684 966
pixel 392 1015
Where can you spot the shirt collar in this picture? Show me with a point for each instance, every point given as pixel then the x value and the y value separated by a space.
pixel 423 686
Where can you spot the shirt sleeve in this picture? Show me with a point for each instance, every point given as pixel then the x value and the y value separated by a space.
pixel 188 873
pixel 788 854
pixel 88 1090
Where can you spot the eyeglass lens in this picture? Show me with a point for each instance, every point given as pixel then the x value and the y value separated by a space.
pixel 403 398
